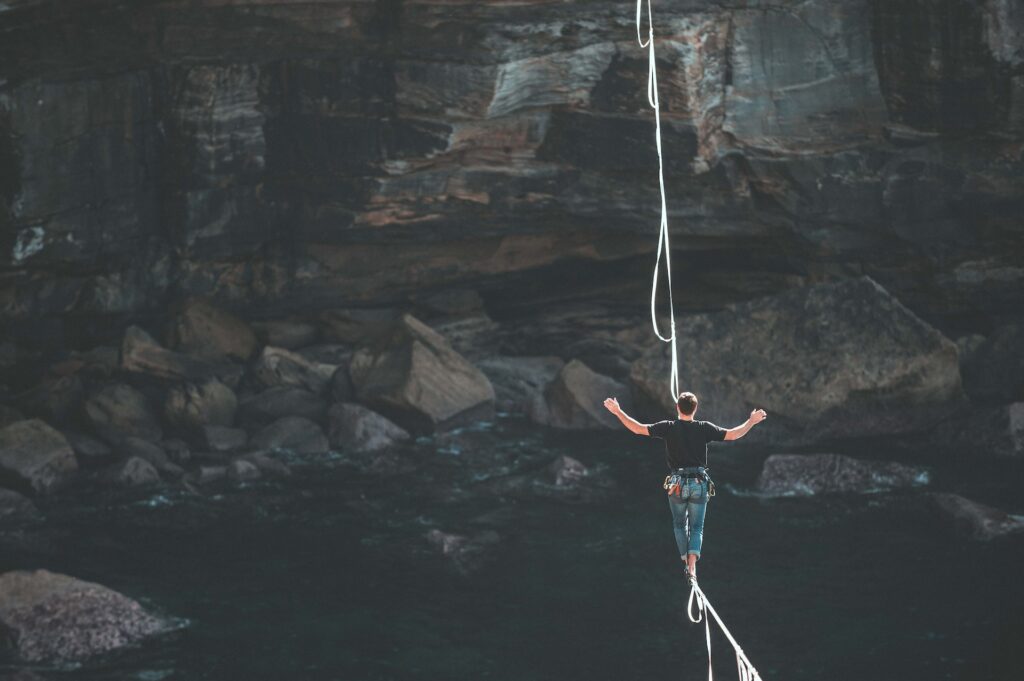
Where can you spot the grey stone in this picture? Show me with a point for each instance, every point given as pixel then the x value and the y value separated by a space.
pixel 975 521
pixel 117 410
pixel 16 509
pixel 290 335
pixel 808 474
pixel 843 359
pixel 205 475
pixel 57 618
pixel 88 450
pixel 413 376
pixel 35 456
pixel 134 472
pixel 190 406
pixel 281 401
pixel 994 370
pixel 240 470
pixel 202 329
pixel 148 451
pixel 141 354
pixel 519 381
pixel 575 399
pixel 292 433
pixel 280 367
pixel 221 439
pixel 267 464
pixel 355 428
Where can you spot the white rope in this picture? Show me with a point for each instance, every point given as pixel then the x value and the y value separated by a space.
pixel 663 243
pixel 743 665
pixel 745 668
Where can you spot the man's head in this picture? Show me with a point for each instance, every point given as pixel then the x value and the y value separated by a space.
pixel 686 404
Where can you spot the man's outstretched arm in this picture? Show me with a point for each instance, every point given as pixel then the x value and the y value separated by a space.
pixel 634 426
pixel 736 433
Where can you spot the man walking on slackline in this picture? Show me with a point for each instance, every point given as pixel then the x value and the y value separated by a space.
pixel 686 452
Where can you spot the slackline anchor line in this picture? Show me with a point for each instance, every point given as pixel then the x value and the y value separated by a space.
pixel 746 670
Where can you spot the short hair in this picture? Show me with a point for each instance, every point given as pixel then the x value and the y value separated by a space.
pixel 687 403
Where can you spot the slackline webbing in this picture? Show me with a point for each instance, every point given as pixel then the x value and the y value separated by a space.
pixel 745 668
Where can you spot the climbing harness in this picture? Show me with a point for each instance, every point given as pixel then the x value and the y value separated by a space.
pixel 672 482
pixel 663 242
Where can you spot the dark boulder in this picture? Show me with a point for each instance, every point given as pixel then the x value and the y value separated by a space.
pixel 280 367
pixel 287 334
pixel 281 401
pixel 190 406
pixel 807 474
pixel 141 354
pixel 354 428
pixel 202 329
pixel 975 521
pixel 134 447
pixel 116 411
pixel 56 618
pixel 413 376
pixel 36 457
pixel 89 451
pixel 134 472
pixel 222 439
pixel 575 399
pixel 16 509
pixel 835 360
pixel 294 434
pixel 519 382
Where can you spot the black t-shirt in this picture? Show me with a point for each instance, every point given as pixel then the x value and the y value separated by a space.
pixel 686 442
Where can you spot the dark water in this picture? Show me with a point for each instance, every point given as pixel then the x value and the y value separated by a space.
pixel 328 575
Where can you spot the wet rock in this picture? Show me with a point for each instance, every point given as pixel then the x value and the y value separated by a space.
pixel 240 470
pixel 201 329
pixel 567 471
pixel 807 474
pixel 413 376
pixel 281 401
pixel 358 326
pixel 222 439
pixel 267 464
pixel 88 450
pixel 190 406
pixel 280 367
pixel 994 370
pixel 519 381
pixel 57 618
pixel 979 522
pixel 287 334
pixel 116 411
pixel 206 475
pixel 835 360
pixel 292 433
pixel 354 428
pixel 134 472
pixel 35 456
pixel 142 449
pixel 16 509
pixel 575 399
pixel 141 354
pixel 466 553
pixel 9 415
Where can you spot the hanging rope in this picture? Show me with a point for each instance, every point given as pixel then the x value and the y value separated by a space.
pixel 743 665
pixel 664 250
pixel 745 668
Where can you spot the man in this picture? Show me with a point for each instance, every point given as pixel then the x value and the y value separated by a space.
pixel 686 452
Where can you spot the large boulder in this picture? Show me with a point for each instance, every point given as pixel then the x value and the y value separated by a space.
pixel 281 401
pixel 413 376
pixel 202 329
pixel 88 450
pixel 116 411
pixel 35 456
pixel 141 354
pixel 354 428
pixel 843 359
pixel 133 447
pixel 52 617
pixel 519 381
pixel 280 367
pixel 807 474
pixel 190 406
pixel 575 399
pixel 979 522
pixel 993 369
pixel 292 433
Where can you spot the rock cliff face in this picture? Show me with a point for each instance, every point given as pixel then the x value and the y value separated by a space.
pixel 280 155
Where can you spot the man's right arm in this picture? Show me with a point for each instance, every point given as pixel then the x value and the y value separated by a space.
pixel 736 433
pixel 634 426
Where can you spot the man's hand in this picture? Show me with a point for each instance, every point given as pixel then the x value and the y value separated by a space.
pixel 757 416
pixel 612 405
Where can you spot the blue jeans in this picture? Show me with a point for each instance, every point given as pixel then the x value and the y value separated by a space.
pixel 688 515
